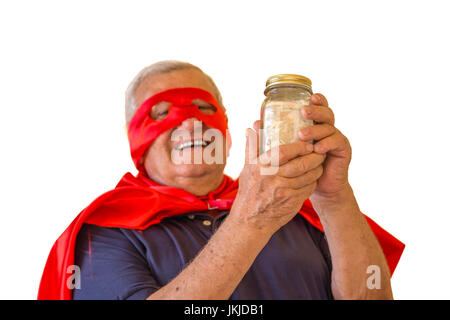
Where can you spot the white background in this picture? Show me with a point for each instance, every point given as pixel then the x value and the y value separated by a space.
pixel 64 67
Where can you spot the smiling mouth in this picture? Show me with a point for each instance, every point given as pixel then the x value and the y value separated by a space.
pixel 192 144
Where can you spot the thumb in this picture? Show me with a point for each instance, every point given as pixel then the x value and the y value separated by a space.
pixel 251 146
pixel 257 125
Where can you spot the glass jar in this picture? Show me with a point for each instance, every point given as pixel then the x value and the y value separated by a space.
pixel 281 117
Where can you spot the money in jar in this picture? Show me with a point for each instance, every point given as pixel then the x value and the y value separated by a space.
pixel 281 117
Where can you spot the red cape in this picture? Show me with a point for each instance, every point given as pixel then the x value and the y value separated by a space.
pixel 137 203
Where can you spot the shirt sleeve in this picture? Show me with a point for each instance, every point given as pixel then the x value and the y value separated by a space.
pixel 111 267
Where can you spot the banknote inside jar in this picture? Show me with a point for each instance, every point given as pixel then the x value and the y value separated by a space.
pixel 282 122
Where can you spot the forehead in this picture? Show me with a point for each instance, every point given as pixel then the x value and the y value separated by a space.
pixel 175 79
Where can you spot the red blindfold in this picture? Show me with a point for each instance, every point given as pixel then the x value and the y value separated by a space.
pixel 143 130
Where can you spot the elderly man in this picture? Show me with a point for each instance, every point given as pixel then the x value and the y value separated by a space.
pixel 184 230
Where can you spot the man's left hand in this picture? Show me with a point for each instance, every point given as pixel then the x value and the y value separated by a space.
pixel 329 141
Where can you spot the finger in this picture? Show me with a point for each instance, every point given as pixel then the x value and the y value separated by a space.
pixel 337 142
pixel 257 125
pixel 307 178
pixel 257 128
pixel 251 146
pixel 280 155
pixel 293 196
pixel 316 132
pixel 306 190
pixel 319 99
pixel 320 114
pixel 301 165
pixel 301 181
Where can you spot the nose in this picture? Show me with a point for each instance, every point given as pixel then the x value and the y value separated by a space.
pixel 191 124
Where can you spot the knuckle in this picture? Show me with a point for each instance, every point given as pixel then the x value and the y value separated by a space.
pixel 343 139
pixel 264 158
pixel 346 141
pixel 300 146
pixel 302 166
pixel 332 117
pixel 279 193
pixel 282 152
pixel 332 128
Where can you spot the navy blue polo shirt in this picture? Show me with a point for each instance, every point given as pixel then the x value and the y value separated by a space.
pixel 118 263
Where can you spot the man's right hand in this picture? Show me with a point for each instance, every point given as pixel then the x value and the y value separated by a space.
pixel 266 202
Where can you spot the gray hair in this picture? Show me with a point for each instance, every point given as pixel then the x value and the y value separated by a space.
pixel 160 67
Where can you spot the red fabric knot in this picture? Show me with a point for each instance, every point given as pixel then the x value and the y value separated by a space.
pixel 221 204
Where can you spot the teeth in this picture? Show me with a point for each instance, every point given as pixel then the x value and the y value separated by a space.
pixel 188 144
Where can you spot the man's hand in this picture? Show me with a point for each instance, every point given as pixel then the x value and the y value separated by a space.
pixel 352 243
pixel 268 201
pixel 330 142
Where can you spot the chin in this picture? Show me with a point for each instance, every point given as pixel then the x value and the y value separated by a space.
pixel 197 170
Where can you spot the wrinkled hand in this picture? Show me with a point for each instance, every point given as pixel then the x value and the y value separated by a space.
pixel 267 199
pixel 331 142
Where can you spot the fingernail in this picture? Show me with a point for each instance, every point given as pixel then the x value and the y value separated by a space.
pixel 306 111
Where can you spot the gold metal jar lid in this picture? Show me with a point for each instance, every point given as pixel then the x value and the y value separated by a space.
pixel 286 79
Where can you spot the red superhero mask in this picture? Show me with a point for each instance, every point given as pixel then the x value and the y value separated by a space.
pixel 143 130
